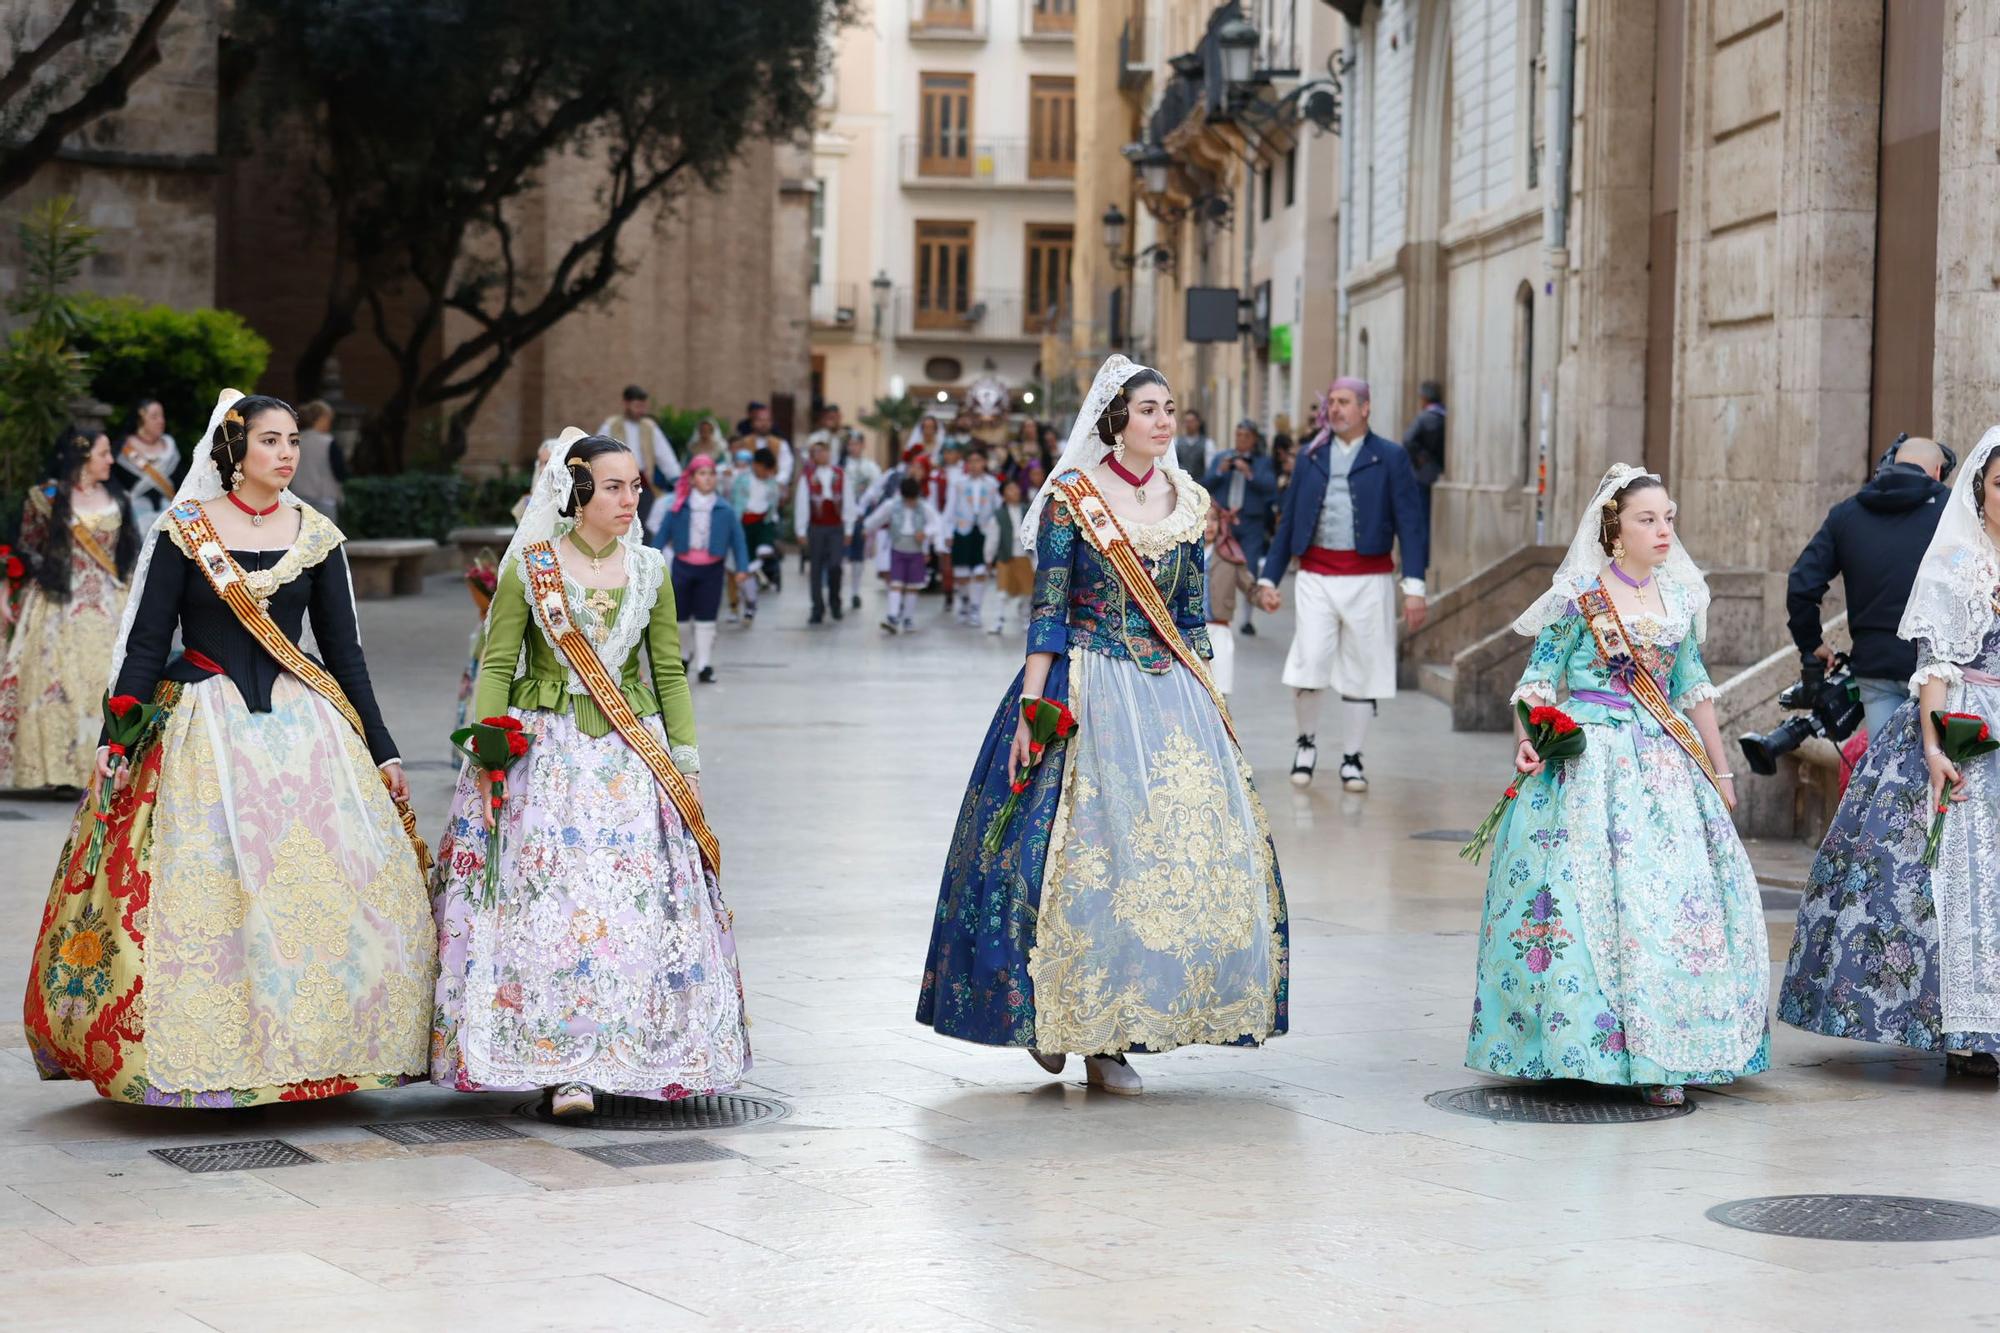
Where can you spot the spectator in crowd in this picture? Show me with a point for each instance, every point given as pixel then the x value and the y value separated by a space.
pixel 1424 441
pixel 1872 542
pixel 1194 449
pixel 321 466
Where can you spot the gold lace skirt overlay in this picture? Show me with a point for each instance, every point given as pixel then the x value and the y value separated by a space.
pixel 1161 911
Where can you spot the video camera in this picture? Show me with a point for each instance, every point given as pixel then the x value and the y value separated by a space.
pixel 1829 705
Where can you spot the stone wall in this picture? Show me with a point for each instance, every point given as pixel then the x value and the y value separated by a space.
pixel 1966 362
pixel 143 176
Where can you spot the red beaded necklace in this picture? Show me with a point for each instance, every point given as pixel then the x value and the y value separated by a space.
pixel 257 516
pixel 1138 484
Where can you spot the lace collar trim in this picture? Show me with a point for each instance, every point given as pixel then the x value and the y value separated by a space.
pixel 318 538
pixel 645 571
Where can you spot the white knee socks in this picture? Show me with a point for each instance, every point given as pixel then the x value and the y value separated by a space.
pixel 1354 717
pixel 1305 708
pixel 895 611
pixel 978 597
pixel 704 644
pixel 686 627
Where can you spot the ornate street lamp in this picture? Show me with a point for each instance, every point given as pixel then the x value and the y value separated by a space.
pixel 880 285
pixel 1237 40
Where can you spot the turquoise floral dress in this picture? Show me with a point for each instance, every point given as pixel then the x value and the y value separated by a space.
pixel 1623 936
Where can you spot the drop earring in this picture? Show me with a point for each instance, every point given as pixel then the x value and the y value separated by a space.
pixel 1118 452
pixel 1617 548
pixel 236 477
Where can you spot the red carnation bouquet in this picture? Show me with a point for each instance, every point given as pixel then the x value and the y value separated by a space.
pixel 1048 722
pixel 1961 736
pixel 494 744
pixel 1555 735
pixel 15 570
pixel 125 722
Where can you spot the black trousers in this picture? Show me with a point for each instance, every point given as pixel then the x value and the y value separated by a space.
pixel 824 544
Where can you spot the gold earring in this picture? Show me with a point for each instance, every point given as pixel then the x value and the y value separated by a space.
pixel 1617 548
pixel 236 477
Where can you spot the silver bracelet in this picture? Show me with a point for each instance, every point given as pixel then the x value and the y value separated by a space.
pixel 1933 754
pixel 1730 776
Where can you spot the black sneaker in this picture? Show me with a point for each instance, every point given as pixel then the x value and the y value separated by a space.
pixel 855 605
pixel 1248 629
pixel 707 676
pixel 1351 776
pixel 838 614
pixel 1303 762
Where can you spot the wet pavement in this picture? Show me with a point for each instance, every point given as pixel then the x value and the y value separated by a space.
pixel 920 1183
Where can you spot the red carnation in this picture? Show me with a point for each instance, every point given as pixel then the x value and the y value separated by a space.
pixel 15 569
pixel 504 723
pixel 517 744
pixel 121 704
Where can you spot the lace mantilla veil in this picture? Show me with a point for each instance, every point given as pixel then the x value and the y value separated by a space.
pixel 1083 450
pixel 1584 563
pixel 542 521
pixel 1951 603
pixel 203 482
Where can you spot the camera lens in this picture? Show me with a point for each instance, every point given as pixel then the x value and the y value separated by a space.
pixel 1764 751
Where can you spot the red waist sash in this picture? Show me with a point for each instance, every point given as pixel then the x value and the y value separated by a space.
pixel 1319 560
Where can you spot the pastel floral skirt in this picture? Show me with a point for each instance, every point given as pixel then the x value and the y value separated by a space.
pixel 607 957
pixel 52 682
pixel 1623 938
pixel 257 930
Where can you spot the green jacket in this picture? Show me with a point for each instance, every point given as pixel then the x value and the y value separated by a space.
pixel 544 682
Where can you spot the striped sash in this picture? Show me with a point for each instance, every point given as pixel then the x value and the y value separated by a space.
pixel 1614 643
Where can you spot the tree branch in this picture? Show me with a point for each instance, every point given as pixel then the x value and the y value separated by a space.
pixel 109 93
pixel 73 27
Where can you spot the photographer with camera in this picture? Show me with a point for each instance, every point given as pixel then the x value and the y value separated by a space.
pixel 1873 542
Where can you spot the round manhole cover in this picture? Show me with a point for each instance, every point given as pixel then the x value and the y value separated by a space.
pixel 1557 1103
pixel 1858 1217
pixel 731 1110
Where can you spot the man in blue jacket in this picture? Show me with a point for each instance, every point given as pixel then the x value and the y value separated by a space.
pixel 1244 486
pixel 1873 542
pixel 1353 500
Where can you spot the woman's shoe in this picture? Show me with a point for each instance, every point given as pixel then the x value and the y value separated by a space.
pixel 1972 1064
pixel 707 676
pixel 1110 1073
pixel 1664 1094
pixel 571 1099
pixel 1053 1063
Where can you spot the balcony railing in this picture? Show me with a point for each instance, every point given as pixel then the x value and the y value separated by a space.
pixel 1049 20
pixel 948 20
pixel 836 305
pixel 974 316
pixel 987 164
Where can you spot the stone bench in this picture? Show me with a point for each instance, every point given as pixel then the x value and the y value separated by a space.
pixel 475 542
pixel 389 567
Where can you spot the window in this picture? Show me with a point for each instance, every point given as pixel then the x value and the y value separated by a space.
pixel 944 148
pixel 1291 176
pixel 944 274
pixel 1049 251
pixel 1051 127
pixel 946 13
pixel 818 228
pixel 1524 390
pixel 1054 16
pixel 1264 211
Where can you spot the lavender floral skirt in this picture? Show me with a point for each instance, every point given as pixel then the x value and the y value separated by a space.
pixel 607 958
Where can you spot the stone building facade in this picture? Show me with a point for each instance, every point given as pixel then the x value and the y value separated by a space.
pixel 712 312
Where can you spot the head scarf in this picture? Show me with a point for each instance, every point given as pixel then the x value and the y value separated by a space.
pixel 686 483
pixel 1951 605
pixel 1584 564
pixel 1084 449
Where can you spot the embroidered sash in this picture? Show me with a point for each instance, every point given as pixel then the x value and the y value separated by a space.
pixel 1614 643
pixel 550 604
pixel 130 457
pixel 1103 531
pixel 224 575
pixel 45 499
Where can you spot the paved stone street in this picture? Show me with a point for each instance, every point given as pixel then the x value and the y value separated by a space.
pixel 919 1183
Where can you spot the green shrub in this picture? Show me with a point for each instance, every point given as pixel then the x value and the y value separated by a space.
pixel 41 372
pixel 427 504
pixel 182 357
pixel 679 423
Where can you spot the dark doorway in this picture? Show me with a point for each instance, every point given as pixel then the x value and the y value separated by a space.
pixel 1906 224
pixel 1662 266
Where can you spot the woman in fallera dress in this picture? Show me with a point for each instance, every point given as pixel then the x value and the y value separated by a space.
pixel 1623 936
pixel 256 929
pixel 79 543
pixel 1134 904
pixel 147 464
pixel 1887 949
pixel 606 962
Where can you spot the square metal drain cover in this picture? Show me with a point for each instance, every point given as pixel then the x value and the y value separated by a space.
pixel 1561 1102
pixel 1858 1217
pixel 246 1155
pixel 466 1129
pixel 729 1110
pixel 670 1153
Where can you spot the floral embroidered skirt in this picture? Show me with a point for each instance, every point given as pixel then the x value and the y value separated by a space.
pixel 52 682
pixel 1865 960
pixel 1135 904
pixel 1623 936
pixel 607 957
pixel 257 930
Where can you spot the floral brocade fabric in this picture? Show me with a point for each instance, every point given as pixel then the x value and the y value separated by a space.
pixel 52 676
pixel 1135 902
pixel 1622 939
pixel 1887 949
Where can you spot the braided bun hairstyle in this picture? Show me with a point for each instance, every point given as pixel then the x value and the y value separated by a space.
pixel 1118 412
pixel 1610 516
pixel 231 440
pixel 578 460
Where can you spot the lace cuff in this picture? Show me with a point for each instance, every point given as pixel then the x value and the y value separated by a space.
pixel 1533 692
pixel 1697 694
pixel 1944 671
pixel 686 758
